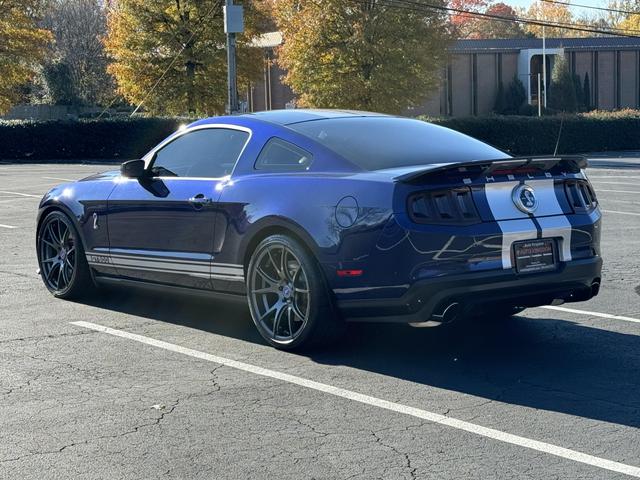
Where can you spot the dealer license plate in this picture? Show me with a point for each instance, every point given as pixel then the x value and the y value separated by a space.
pixel 535 256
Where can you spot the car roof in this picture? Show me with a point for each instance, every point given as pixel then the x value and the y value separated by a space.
pixel 291 116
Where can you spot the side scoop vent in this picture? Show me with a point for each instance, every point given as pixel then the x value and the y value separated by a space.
pixel 443 207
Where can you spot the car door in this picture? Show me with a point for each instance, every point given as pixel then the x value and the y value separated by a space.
pixel 161 227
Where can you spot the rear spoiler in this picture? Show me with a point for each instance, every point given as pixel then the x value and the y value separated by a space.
pixel 572 164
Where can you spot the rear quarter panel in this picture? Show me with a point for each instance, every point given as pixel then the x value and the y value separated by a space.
pixel 305 204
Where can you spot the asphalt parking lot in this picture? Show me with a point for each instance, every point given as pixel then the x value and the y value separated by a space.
pixel 181 388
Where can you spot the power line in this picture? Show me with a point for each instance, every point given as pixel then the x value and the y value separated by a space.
pixel 195 31
pixel 173 61
pixel 604 9
pixel 421 7
pixel 546 23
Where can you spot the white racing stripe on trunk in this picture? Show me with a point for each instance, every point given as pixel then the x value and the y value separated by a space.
pixel 498 435
pixel 516 225
pixel 499 200
pixel 502 206
pixel 514 231
pixel 560 227
pixel 546 195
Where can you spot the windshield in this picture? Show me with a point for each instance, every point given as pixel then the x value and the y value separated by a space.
pixel 376 143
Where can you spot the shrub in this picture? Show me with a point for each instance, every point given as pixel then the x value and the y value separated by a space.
pixel 583 133
pixel 124 139
pixel 121 139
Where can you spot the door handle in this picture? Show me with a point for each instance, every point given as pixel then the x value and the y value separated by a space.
pixel 200 200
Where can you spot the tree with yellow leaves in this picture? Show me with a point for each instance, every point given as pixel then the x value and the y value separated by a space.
pixel 22 47
pixel 363 55
pixel 171 54
pixel 549 12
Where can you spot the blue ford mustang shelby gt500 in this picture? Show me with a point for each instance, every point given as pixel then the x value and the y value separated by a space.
pixel 324 216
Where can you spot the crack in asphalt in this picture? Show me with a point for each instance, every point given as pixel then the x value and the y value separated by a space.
pixel 135 429
pixel 16 274
pixel 157 421
pixel 39 338
pixel 408 465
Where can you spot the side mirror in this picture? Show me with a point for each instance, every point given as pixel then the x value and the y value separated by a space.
pixel 133 169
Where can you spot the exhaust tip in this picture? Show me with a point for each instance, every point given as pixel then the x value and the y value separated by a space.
pixel 447 315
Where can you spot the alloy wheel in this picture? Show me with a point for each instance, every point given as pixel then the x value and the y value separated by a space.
pixel 279 293
pixel 58 259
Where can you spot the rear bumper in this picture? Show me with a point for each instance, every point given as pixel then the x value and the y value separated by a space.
pixel 573 282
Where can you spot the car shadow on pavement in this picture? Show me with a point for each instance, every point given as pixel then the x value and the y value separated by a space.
pixel 543 362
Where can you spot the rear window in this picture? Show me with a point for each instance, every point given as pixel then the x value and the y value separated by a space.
pixel 375 143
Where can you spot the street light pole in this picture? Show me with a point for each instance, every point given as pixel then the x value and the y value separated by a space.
pixel 233 24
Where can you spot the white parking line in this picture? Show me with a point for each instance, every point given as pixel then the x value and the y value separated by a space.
pixel 600 182
pixel 621 213
pixel 377 402
pixel 615 191
pixel 7 226
pixel 592 314
pixel 60 178
pixel 621 201
pixel 21 194
pixel 613 176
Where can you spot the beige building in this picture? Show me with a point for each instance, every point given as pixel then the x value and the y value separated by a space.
pixel 471 78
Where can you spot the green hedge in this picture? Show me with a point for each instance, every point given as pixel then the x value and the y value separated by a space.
pixel 121 139
pixel 124 139
pixel 584 133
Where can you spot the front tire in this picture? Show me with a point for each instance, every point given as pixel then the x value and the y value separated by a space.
pixel 61 258
pixel 288 296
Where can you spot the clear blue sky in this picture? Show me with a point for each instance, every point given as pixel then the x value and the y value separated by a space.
pixel 575 10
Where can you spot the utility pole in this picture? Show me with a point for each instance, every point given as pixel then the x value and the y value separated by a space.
pixel 233 24
pixel 544 67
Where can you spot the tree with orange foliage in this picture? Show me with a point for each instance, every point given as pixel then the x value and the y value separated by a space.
pixel 361 55
pixel 180 45
pixel 463 23
pixel 22 46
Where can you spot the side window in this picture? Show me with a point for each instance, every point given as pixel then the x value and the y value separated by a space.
pixel 278 156
pixel 209 153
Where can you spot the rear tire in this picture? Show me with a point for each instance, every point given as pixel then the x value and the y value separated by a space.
pixel 288 297
pixel 61 257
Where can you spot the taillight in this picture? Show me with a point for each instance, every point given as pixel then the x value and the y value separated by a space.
pixel 581 196
pixel 443 207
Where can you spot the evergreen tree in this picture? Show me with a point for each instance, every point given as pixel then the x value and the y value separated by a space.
pixel 499 104
pixel 562 94
pixel 577 85
pixel 515 96
pixel 586 92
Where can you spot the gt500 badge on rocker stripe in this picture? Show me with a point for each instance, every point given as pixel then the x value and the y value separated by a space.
pixel 98 259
